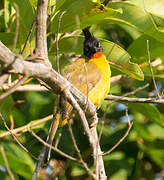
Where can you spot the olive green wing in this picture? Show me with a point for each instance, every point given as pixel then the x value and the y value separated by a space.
pixel 84 76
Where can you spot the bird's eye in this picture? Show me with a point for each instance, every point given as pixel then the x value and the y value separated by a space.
pixel 98 44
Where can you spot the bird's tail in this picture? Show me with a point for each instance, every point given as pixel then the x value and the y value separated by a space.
pixel 62 110
pixel 52 132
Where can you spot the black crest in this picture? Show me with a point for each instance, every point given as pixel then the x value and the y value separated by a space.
pixel 91 44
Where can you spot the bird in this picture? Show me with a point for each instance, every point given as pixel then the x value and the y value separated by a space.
pixel 91 75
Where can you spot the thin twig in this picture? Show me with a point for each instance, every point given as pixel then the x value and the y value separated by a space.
pixel 86 70
pixel 17 26
pixel 11 90
pixel 78 151
pixel 3 78
pixel 6 163
pixel 53 128
pixel 52 147
pixel 57 34
pixel 26 127
pixel 38 165
pixel 28 36
pixel 15 138
pixel 116 98
pixel 134 100
pixel 27 87
pixel 38 87
pixel 101 129
pixel 57 140
pixel 125 135
pixel 151 70
pixel 136 90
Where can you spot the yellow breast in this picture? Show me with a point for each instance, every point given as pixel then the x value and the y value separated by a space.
pixel 101 89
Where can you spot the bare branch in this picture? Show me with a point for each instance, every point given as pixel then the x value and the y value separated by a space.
pixel 53 148
pixel 38 87
pixel 136 90
pixel 134 100
pixel 56 82
pixel 3 78
pixel 151 70
pixel 27 87
pixel 38 70
pixel 28 36
pixel 125 135
pixel 17 26
pixel 6 163
pixel 15 138
pixel 91 133
pixel 57 34
pixel 7 93
pixel 97 153
pixel 27 127
pixel 41 31
pixel 78 151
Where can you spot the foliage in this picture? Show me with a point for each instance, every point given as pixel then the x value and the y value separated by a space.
pixel 123 28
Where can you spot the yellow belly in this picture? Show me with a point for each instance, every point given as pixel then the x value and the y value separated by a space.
pixel 99 92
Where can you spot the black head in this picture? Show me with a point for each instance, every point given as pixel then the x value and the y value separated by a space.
pixel 91 44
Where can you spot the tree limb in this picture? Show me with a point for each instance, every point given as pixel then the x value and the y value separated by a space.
pixel 134 100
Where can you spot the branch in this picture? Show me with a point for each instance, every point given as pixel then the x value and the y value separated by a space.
pixel 56 82
pixel 17 25
pixel 15 138
pixel 57 34
pixel 28 87
pixel 39 71
pixel 125 135
pixel 78 151
pixel 26 128
pixel 151 70
pixel 6 163
pixel 28 36
pixel 52 147
pixel 38 87
pixel 41 31
pixel 10 91
pixel 135 100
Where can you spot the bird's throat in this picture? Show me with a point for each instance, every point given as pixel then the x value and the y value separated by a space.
pixel 97 55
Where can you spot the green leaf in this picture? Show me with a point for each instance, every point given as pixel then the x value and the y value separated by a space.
pixel 139 55
pixel 25 9
pixel 75 18
pixel 7 39
pixel 154 6
pixel 118 165
pixel 6 13
pixel 149 111
pixel 136 17
pixel 120 59
pixel 143 132
pixel 156 131
pixel 116 55
pixel 19 161
pixel 157 155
